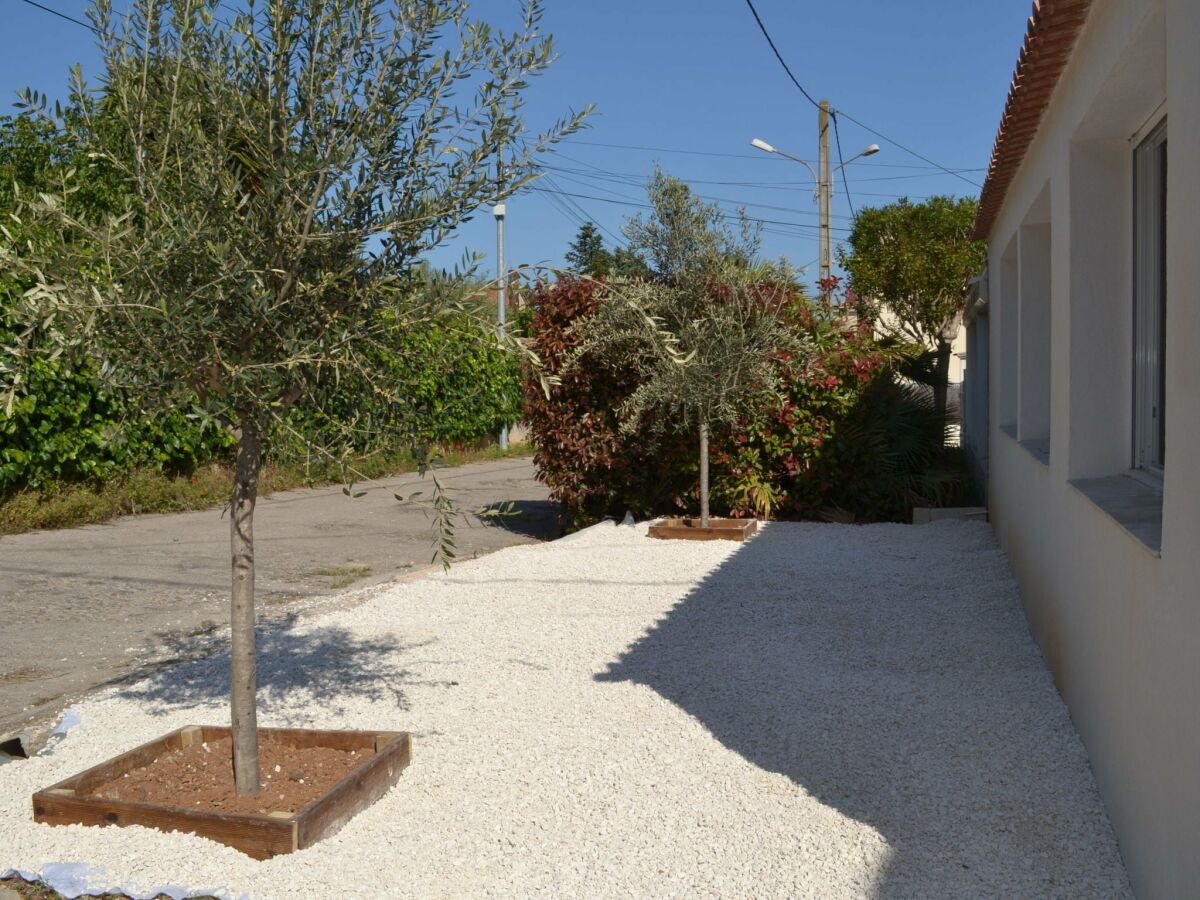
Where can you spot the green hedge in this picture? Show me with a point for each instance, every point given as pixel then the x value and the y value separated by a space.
pixel 457 385
pixel 66 427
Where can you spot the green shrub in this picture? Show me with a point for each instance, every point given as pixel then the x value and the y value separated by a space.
pixel 590 466
pixel 848 438
pixel 851 438
pixel 66 427
pixel 462 388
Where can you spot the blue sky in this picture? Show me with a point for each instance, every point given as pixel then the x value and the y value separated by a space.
pixel 697 75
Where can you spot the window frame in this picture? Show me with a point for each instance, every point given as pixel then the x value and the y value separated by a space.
pixel 1150 162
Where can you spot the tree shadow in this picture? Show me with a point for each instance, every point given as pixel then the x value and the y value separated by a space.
pixel 894 680
pixel 301 672
pixel 539 519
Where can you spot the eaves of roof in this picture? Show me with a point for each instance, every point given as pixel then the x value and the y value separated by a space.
pixel 1049 40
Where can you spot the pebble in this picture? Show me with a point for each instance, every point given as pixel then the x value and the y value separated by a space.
pixel 826 711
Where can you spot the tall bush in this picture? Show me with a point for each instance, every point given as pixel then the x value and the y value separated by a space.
pixel 704 335
pixel 67 427
pixel 704 350
pixel 592 466
pixel 851 438
pixel 447 383
pixel 916 259
pixel 847 439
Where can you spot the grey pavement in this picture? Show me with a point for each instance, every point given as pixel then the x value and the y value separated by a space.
pixel 83 607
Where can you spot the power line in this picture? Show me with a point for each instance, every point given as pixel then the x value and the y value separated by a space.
pixel 898 196
pixel 724 215
pixel 779 56
pixel 588 179
pixel 632 179
pixel 842 163
pixel 570 199
pixel 567 204
pixel 760 157
pixel 738 203
pixel 561 207
pixel 878 134
pixel 579 179
pixel 95 31
pixel 61 15
pixel 909 150
pixel 785 185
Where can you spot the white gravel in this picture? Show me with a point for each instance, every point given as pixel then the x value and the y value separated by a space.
pixel 827 711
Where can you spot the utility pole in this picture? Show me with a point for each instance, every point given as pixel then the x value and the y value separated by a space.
pixel 823 179
pixel 824 199
pixel 502 281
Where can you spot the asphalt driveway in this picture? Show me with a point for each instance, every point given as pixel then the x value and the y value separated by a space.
pixel 85 606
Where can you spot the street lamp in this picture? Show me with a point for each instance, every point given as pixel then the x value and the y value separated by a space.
pixel 870 150
pixel 823 186
pixel 763 145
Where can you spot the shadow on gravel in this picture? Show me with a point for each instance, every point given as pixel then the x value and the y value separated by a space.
pixel 533 518
pixel 323 668
pixel 894 682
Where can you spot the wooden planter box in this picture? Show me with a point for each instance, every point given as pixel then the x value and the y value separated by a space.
pixel 257 835
pixel 689 529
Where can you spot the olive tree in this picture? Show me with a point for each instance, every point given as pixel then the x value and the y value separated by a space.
pixel 683 238
pixel 288 162
pixel 704 339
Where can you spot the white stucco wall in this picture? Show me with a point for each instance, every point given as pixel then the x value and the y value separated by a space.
pixel 1118 621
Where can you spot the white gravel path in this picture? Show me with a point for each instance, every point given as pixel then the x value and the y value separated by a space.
pixel 827 711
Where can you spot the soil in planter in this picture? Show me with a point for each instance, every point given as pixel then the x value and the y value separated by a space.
pixel 200 777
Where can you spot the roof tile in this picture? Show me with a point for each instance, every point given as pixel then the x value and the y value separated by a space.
pixel 1049 40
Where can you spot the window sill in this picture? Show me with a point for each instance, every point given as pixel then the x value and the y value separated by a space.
pixel 1135 506
pixel 1149 480
pixel 1038 448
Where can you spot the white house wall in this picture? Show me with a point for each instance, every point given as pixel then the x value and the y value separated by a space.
pixel 1118 620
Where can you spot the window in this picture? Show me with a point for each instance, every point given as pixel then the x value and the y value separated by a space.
pixel 1009 298
pixel 1150 300
pixel 1033 395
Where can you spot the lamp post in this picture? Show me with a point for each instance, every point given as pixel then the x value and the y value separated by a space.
pixel 823 187
pixel 498 211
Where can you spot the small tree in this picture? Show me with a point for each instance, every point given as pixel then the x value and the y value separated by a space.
pixel 916 258
pixel 684 238
pixel 705 338
pixel 286 169
pixel 587 254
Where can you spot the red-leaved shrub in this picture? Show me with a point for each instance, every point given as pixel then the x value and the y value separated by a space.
pixel 593 469
pixel 847 438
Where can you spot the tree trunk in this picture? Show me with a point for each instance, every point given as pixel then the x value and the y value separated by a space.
pixel 243 674
pixel 704 474
pixel 941 381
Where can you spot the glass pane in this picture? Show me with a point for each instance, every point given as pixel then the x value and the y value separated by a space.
pixel 1150 211
pixel 1161 399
